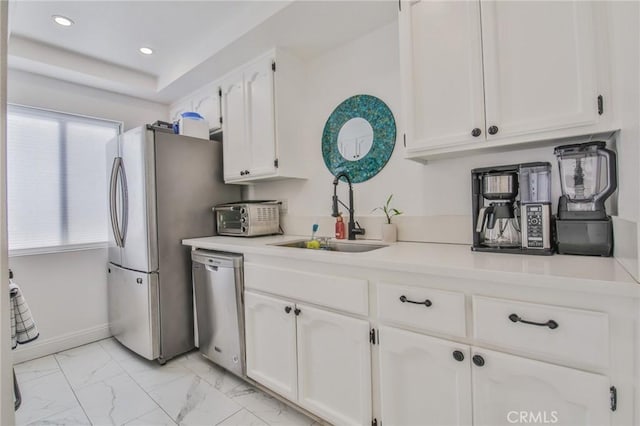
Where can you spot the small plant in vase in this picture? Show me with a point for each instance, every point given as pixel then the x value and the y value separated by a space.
pixel 389 230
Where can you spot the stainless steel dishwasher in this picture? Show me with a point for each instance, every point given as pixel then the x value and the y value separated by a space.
pixel 218 286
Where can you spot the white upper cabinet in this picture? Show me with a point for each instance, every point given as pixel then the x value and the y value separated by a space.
pixel 205 101
pixel 235 145
pixel 540 66
pixel 442 52
pixel 492 73
pixel 261 120
pixel 260 117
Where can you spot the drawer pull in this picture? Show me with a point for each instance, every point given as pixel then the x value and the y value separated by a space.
pixel 426 303
pixel 551 323
pixel 287 309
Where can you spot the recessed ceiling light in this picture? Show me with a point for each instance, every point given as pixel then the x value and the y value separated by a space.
pixel 146 50
pixel 62 20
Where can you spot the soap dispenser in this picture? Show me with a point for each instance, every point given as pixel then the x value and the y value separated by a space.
pixel 340 230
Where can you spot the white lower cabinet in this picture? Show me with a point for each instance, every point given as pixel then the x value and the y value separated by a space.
pixel 334 366
pixel 423 380
pixel 322 360
pixel 318 359
pixel 513 390
pixel 429 381
pixel 271 343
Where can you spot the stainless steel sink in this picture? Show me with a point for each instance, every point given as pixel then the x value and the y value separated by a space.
pixel 339 246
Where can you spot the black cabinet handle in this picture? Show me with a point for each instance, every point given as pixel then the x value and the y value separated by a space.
pixel 246 172
pixel 426 303
pixel 241 172
pixel 476 132
pixel 493 130
pixel 478 360
pixel 297 311
pixel 458 356
pixel 551 323
pixel 287 309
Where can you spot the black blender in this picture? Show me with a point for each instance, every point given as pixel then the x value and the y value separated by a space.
pixel 588 176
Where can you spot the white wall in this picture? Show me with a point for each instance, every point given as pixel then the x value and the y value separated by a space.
pixel 435 197
pixel 67 291
pixel 624 40
pixel 43 92
pixel 6 382
pixel 67 295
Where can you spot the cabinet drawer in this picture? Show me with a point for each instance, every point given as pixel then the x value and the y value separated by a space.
pixel 445 312
pixel 572 335
pixel 343 293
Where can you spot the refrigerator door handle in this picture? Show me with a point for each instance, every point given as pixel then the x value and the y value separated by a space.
pixel 125 203
pixel 112 200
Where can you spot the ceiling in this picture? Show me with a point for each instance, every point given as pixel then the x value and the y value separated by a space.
pixel 194 42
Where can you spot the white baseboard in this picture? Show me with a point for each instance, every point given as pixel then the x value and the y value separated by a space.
pixel 39 348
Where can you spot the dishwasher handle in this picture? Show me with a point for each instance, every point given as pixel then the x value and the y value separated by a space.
pixel 216 259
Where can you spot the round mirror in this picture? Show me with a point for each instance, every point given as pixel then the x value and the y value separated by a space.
pixel 359 137
pixel 355 139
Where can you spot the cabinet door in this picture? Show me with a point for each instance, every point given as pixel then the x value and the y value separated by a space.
pixel 441 69
pixel 271 343
pixel 184 105
pixel 421 383
pixel 260 117
pixel 334 366
pixel 540 65
pixel 507 387
pixel 235 148
pixel 206 102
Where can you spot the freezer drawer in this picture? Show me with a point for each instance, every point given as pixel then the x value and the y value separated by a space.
pixel 133 310
pixel 217 281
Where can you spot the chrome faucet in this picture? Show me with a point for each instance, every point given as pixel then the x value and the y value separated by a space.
pixel 353 226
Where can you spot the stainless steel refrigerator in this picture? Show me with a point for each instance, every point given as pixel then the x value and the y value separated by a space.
pixel 162 187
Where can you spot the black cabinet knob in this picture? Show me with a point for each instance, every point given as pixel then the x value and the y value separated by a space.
pixel 297 311
pixel 246 172
pixel 478 360
pixel 241 172
pixel 476 132
pixel 287 309
pixel 458 356
pixel 493 130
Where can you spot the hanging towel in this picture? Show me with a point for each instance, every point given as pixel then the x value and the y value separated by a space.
pixel 23 328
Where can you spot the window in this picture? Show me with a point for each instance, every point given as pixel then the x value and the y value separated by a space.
pixel 56 178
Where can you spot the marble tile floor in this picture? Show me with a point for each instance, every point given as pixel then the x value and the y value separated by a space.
pixel 103 383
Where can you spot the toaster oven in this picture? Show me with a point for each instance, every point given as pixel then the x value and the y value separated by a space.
pixel 247 218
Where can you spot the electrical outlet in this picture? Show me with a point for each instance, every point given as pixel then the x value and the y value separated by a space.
pixel 284 206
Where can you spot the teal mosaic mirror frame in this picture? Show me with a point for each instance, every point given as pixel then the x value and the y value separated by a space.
pixel 381 120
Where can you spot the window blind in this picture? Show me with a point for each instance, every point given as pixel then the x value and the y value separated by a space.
pixel 56 178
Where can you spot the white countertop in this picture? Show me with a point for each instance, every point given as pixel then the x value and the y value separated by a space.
pixel 582 273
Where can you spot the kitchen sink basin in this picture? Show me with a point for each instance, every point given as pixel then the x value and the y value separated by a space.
pixel 339 246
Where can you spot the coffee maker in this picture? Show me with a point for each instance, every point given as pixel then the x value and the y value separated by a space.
pixel 511 208
pixel 588 176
